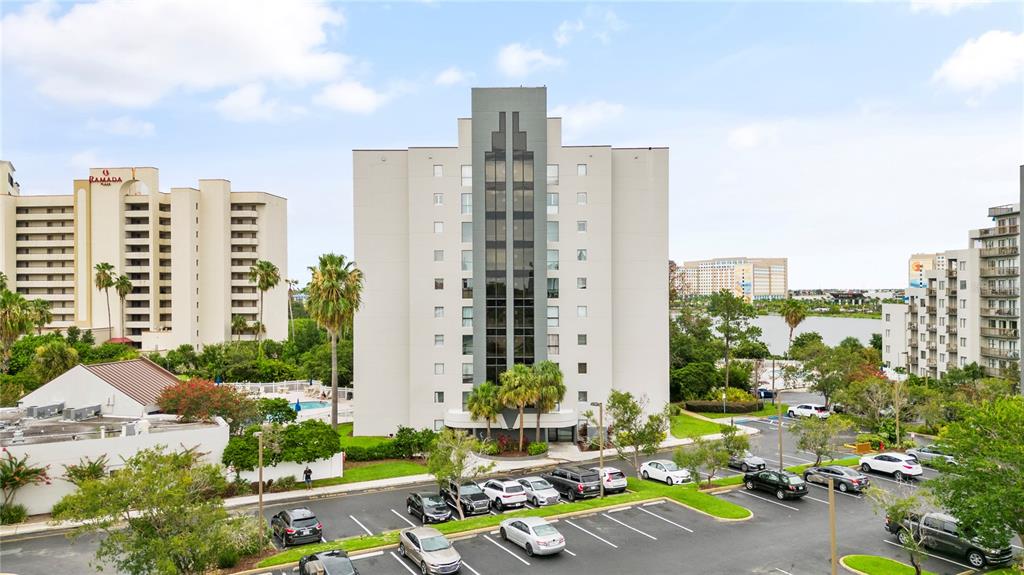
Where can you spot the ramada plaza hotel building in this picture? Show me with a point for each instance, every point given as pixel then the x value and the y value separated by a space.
pixel 508 248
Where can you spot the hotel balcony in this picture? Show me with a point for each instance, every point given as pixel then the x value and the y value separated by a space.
pixel 992 271
pixel 951 347
pixel 45 217
pixel 1000 291
pixel 44 243
pixel 995 232
pixel 951 329
pixel 245 228
pixel 1003 251
pixel 45 284
pixel 1003 210
pixel 243 213
pixel 950 272
pixel 245 241
pixel 998 312
pixel 996 372
pixel 1000 353
pixel 1004 333
pixel 44 257
pixel 137 227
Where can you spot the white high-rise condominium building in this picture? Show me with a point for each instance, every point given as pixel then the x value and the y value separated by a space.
pixel 751 278
pixel 508 248
pixel 962 309
pixel 187 253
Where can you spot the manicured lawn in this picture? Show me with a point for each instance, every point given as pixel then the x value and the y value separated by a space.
pixel 684 426
pixel 689 495
pixel 767 411
pixel 345 431
pixel 798 469
pixel 355 472
pixel 875 565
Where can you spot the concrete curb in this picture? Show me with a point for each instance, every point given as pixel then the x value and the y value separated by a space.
pixel 842 561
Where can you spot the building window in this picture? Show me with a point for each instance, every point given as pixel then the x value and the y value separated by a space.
pixel 438 255
pixel 581 226
pixel 438 170
pixel 887 350
pixel 438 339
pixel 465 399
pixel 438 283
pixel 552 203
pixel 467 232
pixel 552 174
pixel 438 227
pixel 581 255
pixel 581 311
pixel 467 344
pixel 552 288
pixel 581 198
pixel 467 261
pixel 467 373
pixel 467 287
pixel 581 283
pixel 467 176
pixel 438 199
pixel 887 318
pixel 552 259
pixel 581 367
pixel 552 344
pixel 466 203
pixel 581 339
pixel 581 169
pixel 467 316
pixel 438 369
pixel 581 396
pixel 438 311
pixel 552 231
pixel 552 316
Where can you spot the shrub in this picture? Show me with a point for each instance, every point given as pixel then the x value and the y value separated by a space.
pixel 504 443
pixel 409 442
pixel 675 409
pixel 227 558
pixel 13 513
pixel 383 450
pixel 708 406
pixel 872 438
pixel 286 483
pixel 537 448
pixel 310 440
pixel 488 447
pixel 731 394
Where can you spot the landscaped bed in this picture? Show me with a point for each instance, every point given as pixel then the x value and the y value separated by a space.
pixel 875 565
pixel 767 411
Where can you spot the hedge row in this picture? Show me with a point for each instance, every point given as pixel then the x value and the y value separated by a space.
pixel 708 406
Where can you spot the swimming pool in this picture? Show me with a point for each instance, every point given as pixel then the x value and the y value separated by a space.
pixel 312 404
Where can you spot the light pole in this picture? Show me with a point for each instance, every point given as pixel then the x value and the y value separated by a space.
pixel 259 436
pixel 832 523
pixel 600 440
pixel 723 400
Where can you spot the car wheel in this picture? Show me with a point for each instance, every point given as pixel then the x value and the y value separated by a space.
pixel 865 468
pixel 644 474
pixel 744 467
pixel 843 487
pixel 529 550
pixel 668 480
pixel 499 505
pixel 903 537
pixel 780 494
pixel 791 414
pixel 534 502
pixel 898 475
pixel 401 549
pixel 408 509
pixel 504 534
pixel 423 568
pixel 572 496
pixel 749 485
pixel 975 558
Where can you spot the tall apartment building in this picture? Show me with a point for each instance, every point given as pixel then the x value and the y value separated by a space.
pixel 187 253
pixel 751 278
pixel 964 309
pixel 508 248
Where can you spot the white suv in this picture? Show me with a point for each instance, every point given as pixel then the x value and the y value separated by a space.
pixel 809 410
pixel 614 480
pixel 504 492
pixel 899 465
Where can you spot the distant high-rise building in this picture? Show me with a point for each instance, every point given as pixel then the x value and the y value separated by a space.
pixel 751 278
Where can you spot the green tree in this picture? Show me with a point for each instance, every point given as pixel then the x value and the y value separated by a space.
pixel 807 340
pixel 238 326
pixel 693 381
pixel 794 312
pixel 291 290
pixel 54 358
pixel 3 281
pixel 15 473
pixel 734 442
pixel 104 280
pixel 550 389
pixel 822 437
pixel 518 389
pixel 275 410
pixel 123 286
pixel 41 314
pixel 266 276
pixel 633 430
pixel 86 469
pixel 732 315
pixel 15 321
pixel 692 458
pixel 483 403
pixel 876 342
pixel 452 459
pixel 902 508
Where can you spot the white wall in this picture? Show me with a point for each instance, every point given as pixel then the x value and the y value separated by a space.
pixel 323 468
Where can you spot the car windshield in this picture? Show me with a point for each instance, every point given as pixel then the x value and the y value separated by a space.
pixel 469 489
pixel 794 480
pixel 542 484
pixel 338 565
pixel 669 466
pixel 514 489
pixel 589 477
pixel 432 500
pixel 435 543
pixel 303 523
pixel 544 530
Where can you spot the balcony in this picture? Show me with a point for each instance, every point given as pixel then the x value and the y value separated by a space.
pixel 996 372
pixel 137 241
pixel 931 328
pixel 931 292
pixel 950 272
pixel 243 213
pixel 52 297
pixel 46 284
pixel 45 217
pixel 244 228
pixel 44 257
pixel 996 252
pixel 1000 353
pixel 994 272
pixel 931 363
pixel 998 312
pixel 136 227
pixel 999 332
pixel 951 329
pixel 43 243
pixel 951 347
pixel 244 242
pixel 931 346
pixel 245 311
pixel 995 232
pixel 1003 210
pixel 1000 291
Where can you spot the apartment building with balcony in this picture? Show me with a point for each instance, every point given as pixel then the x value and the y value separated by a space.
pixel 507 248
pixel 750 278
pixel 186 251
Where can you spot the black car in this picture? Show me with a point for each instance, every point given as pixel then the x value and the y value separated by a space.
pixel 429 507
pixel 474 500
pixel 783 484
pixel 327 563
pixel 941 532
pixel 575 483
pixel 296 526
pixel 765 393
pixel 843 478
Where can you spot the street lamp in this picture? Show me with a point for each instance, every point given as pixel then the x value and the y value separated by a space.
pixel 600 440
pixel 723 400
pixel 259 436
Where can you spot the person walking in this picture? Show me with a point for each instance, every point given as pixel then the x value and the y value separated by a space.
pixel 307 476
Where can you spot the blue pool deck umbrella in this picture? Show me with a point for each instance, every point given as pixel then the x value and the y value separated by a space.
pixel 298 406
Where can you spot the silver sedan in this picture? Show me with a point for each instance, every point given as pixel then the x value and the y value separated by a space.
pixel 534 534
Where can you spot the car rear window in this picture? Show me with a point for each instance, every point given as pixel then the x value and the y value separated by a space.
pixel 795 480
pixel 514 489
pixel 544 530
pixel 541 484
pixel 616 475
pixel 589 477
pixel 303 523
pixel 432 500
pixel 820 408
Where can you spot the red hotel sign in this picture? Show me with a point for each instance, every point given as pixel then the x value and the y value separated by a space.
pixel 105 179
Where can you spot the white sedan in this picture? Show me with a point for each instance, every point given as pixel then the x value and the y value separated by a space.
pixel 534 534
pixel 664 470
pixel 899 465
pixel 538 491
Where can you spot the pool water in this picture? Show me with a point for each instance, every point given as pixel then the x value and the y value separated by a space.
pixel 312 404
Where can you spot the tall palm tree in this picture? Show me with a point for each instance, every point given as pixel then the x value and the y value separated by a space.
pixel 123 286
pixel 550 389
pixel 291 291
pixel 794 312
pixel 3 282
pixel 335 293
pixel 41 314
pixel 518 389
pixel 54 358
pixel 238 326
pixel 266 276
pixel 104 281
pixel 15 321
pixel 483 403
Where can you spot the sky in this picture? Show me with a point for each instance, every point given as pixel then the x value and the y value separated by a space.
pixel 844 136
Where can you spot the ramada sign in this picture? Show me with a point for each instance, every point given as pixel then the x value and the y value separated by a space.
pixel 105 179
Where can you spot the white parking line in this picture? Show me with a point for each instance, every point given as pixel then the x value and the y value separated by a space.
pixel 768 500
pixel 529 505
pixel 366 555
pixel 781 571
pixel 404 564
pixel 467 566
pixel 569 552
pixel 815 499
pixel 649 503
pixel 598 537
pixel 506 550
pixel 800 459
pixel 617 509
pixel 651 537
pixel 1016 546
pixel 403 518
pixel 368 532
pixel 907 483
pixel 665 520
pixel 930 555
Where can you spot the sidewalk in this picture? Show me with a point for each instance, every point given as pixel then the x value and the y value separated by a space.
pixel 559 454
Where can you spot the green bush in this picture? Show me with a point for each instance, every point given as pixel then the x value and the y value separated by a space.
pixel 537 448
pixel 286 483
pixel 731 394
pixel 488 447
pixel 227 558
pixel 383 450
pixel 13 513
pixel 709 406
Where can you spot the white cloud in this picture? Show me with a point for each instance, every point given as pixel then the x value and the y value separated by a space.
pixel 578 119
pixel 566 30
pixel 134 53
pixel 750 136
pixel 83 160
pixel 944 7
pixel 517 61
pixel 601 22
pixel 351 96
pixel 123 126
pixel 451 76
pixel 984 63
pixel 248 104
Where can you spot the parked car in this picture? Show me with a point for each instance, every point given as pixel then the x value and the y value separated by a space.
pixel 900 465
pixel 809 410
pixel 429 507
pixel 942 532
pixel 534 534
pixel 504 492
pixel 746 461
pixel 429 550
pixel 474 500
pixel 614 479
pixel 765 393
pixel 334 562
pixel 843 478
pixel 930 453
pixel 539 492
pixel 664 470
pixel 296 526
pixel 783 484
pixel 575 483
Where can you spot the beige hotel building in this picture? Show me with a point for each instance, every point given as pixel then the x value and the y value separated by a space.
pixel 507 248
pixel 750 278
pixel 186 251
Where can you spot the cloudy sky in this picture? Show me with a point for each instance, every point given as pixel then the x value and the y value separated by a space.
pixel 842 136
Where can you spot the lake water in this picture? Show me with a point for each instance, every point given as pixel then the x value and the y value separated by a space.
pixel 775 332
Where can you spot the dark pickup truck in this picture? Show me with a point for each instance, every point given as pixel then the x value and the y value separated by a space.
pixel 941 532
pixel 474 500
pixel 575 483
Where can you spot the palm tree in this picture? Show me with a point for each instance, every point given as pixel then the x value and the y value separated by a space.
pixel 266 276
pixel 41 314
pixel 3 282
pixel 291 290
pixel 238 325
pixel 123 287
pixel 550 389
pixel 15 321
pixel 104 281
pixel 54 358
pixel 518 389
pixel 483 403
pixel 335 292
pixel 794 312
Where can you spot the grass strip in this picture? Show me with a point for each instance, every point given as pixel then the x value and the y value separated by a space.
pixel 684 426
pixel 690 496
pixel 347 440
pixel 355 473
pixel 875 565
